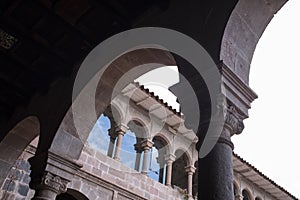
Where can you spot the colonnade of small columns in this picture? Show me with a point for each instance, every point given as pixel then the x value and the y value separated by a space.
pixel 116 135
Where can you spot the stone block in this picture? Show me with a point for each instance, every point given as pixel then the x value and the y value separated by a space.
pixel 100 156
pixel 256 13
pixel 103 168
pixel 116 173
pixel 9 185
pixel 23 189
pixel 96 172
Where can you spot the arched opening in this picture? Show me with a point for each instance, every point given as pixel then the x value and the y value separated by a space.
pixel 179 176
pixel 157 170
pixel 131 150
pixel 99 136
pixel 14 143
pixel 246 195
pixel 102 86
pixel 71 195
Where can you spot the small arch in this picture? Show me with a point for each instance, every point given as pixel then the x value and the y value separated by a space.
pixel 166 141
pixel 157 169
pixel 139 128
pixel 258 198
pixel 98 138
pixel 179 177
pixel 115 113
pixel 246 194
pixel 71 195
pixel 184 152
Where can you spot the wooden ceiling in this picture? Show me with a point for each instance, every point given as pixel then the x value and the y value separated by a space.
pixel 42 40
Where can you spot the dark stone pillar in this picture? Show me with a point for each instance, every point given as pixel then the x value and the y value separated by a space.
pixel 215 170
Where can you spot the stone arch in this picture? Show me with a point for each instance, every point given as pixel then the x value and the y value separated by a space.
pixel 114 113
pixel 165 139
pixel 258 198
pixel 180 151
pixel 236 188
pixel 75 130
pixel 139 127
pixel 247 194
pixel 244 28
pixel 14 143
pixel 72 195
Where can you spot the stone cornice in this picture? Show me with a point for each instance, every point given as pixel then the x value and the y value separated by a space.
pixel 236 91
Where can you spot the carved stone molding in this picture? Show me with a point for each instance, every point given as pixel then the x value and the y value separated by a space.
pixel 55 183
pixel 233 121
pixel 51 182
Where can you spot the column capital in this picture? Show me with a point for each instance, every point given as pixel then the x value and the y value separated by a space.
pixel 146 144
pixel 112 133
pixel 51 182
pixel 138 147
pixel 170 158
pixel 121 128
pixel 233 121
pixel 190 169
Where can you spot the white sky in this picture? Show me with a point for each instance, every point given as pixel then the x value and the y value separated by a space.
pixel 271 139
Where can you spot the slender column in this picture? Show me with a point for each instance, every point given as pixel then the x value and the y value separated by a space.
pixel 238 197
pixel 49 187
pixel 169 160
pixel 120 130
pixel 113 135
pixel 190 170
pixel 146 145
pixel 216 171
pixel 138 150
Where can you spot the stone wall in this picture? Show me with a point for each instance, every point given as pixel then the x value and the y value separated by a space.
pixel 15 186
pixel 126 183
pixel 101 178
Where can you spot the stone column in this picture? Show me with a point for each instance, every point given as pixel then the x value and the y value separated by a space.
pixel 113 135
pixel 138 150
pixel 190 170
pixel 238 197
pixel 146 145
pixel 169 160
pixel 120 130
pixel 216 172
pixel 49 187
